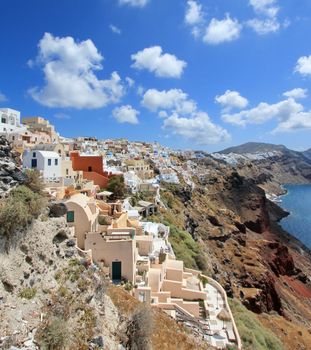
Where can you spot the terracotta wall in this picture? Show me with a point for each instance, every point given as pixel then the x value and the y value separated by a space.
pixel 92 167
pixel 99 180
pixel 84 162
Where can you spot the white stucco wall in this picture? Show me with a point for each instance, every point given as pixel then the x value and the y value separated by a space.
pixel 11 120
pixel 49 172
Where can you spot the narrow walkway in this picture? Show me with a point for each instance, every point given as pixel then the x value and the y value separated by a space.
pixel 219 330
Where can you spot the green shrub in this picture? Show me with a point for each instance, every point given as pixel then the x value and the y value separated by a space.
pixel 34 180
pixel 53 335
pixel 33 201
pixel 128 286
pixel 184 246
pixel 28 293
pixel 102 220
pixel 203 279
pixel 18 210
pixel 253 334
pixel 12 216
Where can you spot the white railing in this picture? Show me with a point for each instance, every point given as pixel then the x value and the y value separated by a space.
pixel 224 295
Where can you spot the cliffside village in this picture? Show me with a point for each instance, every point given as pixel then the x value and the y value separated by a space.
pixel 117 234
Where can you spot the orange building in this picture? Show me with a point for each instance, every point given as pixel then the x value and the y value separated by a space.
pixel 92 167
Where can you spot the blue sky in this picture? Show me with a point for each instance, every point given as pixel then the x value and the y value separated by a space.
pixel 189 74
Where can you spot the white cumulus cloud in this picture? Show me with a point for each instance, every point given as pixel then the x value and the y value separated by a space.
pixel 296 93
pixel 303 65
pixel 231 99
pixel 267 17
pixel 115 29
pixel 220 31
pixel 134 3
pixel 264 26
pixel 140 90
pixel 126 114
pixel 194 13
pixel 69 73
pixel 296 122
pixel 266 7
pixel 130 81
pixel 264 112
pixel 161 64
pixel 181 116
pixel 289 115
pixel 199 129
pixel 174 99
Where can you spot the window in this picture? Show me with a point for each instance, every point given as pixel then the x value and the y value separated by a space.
pixel 67 172
pixel 49 162
pixel 34 154
pixel 3 120
pixel 142 296
pixel 56 162
pixel 70 216
pixel 90 169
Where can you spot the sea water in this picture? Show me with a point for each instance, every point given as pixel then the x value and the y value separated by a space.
pixel 297 201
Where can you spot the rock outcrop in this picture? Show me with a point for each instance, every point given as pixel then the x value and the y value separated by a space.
pixel 247 251
pixel 10 173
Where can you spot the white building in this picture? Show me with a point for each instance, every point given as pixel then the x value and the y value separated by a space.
pixel 10 121
pixel 169 176
pixel 132 181
pixel 47 162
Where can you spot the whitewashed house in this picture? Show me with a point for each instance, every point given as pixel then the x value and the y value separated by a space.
pixel 47 162
pixel 132 181
pixel 10 121
pixel 168 175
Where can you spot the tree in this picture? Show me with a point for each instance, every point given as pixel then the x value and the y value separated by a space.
pixel 116 186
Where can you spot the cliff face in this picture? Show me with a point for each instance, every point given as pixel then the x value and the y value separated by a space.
pixel 266 162
pixel 10 173
pixel 248 252
pixel 307 153
pixel 51 298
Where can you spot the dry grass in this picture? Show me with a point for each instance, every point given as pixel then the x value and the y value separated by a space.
pixel 167 334
pixel 292 335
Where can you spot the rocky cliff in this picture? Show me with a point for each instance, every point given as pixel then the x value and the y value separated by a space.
pixel 246 250
pixel 51 297
pixel 10 171
pixel 270 165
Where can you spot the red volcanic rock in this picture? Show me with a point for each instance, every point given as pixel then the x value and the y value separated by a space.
pixel 265 297
pixel 281 261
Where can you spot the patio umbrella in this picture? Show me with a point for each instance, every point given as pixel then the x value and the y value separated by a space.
pixel 224 316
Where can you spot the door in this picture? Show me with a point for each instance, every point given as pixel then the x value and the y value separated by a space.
pixel 116 270
pixel 34 163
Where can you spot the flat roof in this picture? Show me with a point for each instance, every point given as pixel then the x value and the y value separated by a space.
pixel 47 153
